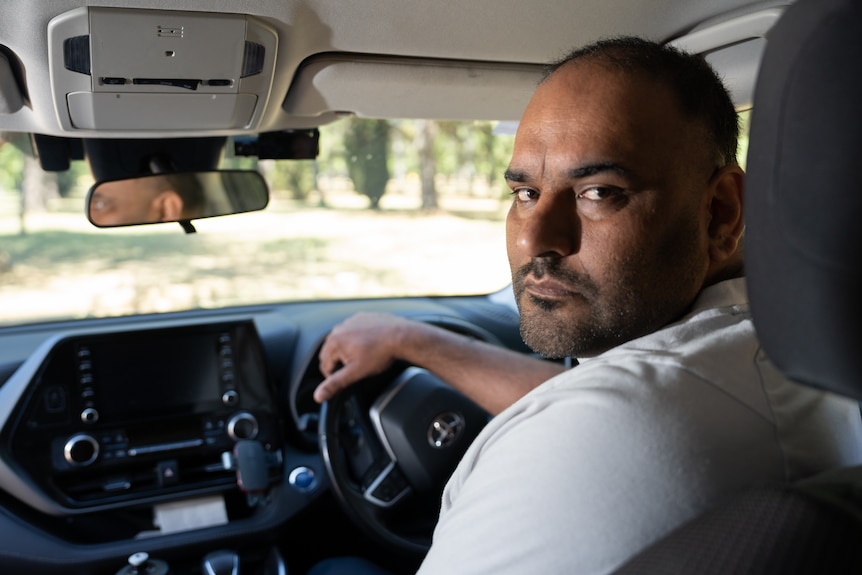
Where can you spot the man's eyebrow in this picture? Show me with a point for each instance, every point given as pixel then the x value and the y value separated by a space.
pixel 593 169
pixel 515 176
pixel 520 176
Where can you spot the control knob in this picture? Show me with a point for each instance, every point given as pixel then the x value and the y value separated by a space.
pixel 81 450
pixel 242 425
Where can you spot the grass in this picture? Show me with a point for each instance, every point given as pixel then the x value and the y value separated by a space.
pixel 63 268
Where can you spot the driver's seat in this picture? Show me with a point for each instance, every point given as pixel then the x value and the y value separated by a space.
pixel 804 268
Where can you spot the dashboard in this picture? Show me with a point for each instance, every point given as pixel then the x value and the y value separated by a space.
pixel 179 433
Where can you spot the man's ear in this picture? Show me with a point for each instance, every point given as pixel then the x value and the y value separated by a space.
pixel 169 206
pixel 725 209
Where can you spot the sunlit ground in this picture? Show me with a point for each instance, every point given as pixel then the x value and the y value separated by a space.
pixel 62 267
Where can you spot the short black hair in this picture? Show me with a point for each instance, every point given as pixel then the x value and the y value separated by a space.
pixel 701 93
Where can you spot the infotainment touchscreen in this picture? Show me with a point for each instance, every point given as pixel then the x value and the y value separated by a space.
pixel 176 373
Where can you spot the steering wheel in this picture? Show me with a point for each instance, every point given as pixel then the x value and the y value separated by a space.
pixel 389 445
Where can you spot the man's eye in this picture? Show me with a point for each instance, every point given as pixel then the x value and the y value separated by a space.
pixel 598 193
pixel 525 194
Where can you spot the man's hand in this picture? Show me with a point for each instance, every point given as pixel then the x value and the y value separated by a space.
pixel 368 343
pixel 362 346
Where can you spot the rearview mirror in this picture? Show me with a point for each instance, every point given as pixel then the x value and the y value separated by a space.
pixel 175 197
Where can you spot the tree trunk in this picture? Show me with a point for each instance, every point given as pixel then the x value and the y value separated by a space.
pixel 426 133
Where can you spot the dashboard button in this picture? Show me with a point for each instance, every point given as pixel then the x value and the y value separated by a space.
pixel 230 397
pixel 303 479
pixel 90 415
pixel 55 399
pixel 169 472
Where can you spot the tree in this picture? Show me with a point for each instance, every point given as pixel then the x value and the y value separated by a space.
pixel 22 171
pixel 367 145
pixel 426 135
pixel 297 177
pixel 38 186
pixel 11 166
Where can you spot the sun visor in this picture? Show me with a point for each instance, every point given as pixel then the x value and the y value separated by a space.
pixel 130 70
pixel 423 88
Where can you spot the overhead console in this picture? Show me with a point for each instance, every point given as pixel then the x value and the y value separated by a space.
pixel 150 70
pixel 113 419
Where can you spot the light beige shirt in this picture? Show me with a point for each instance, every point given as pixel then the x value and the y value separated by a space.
pixel 600 461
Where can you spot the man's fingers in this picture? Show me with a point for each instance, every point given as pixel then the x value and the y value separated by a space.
pixel 329 358
pixel 322 392
pixel 338 380
pixel 328 364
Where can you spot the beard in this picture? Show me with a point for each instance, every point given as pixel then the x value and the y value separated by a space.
pixel 614 313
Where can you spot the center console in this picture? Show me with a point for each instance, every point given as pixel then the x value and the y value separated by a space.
pixel 116 419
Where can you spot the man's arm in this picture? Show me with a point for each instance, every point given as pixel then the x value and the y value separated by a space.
pixel 367 344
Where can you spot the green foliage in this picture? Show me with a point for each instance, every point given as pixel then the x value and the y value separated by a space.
pixel 369 152
pixel 239 163
pixel 11 167
pixel 367 145
pixel 470 150
pixel 296 177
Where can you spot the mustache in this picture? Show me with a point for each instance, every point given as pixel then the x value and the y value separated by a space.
pixel 553 268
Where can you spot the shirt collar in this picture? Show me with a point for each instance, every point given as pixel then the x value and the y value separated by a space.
pixel 732 292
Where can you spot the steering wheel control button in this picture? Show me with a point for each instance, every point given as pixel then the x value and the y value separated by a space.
pixel 445 429
pixel 81 450
pixel 303 479
pixel 388 488
pixel 242 425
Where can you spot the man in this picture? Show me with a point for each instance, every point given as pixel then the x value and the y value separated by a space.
pixel 625 246
pixel 146 200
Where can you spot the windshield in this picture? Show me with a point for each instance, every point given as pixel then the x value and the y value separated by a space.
pixel 389 208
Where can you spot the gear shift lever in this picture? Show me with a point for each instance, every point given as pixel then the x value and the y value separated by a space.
pixel 221 563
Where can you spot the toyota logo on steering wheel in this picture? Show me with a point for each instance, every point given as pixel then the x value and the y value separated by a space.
pixel 445 429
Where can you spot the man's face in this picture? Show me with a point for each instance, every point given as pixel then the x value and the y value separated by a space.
pixel 607 233
pixel 121 202
pixel 133 201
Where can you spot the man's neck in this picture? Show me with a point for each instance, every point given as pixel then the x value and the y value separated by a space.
pixel 732 269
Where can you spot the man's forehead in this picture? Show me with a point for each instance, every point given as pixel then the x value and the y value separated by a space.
pixel 586 114
pixel 572 146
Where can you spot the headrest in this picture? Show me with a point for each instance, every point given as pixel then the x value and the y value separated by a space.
pixel 804 196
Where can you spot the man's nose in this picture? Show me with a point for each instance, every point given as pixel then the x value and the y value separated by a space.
pixel 552 228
